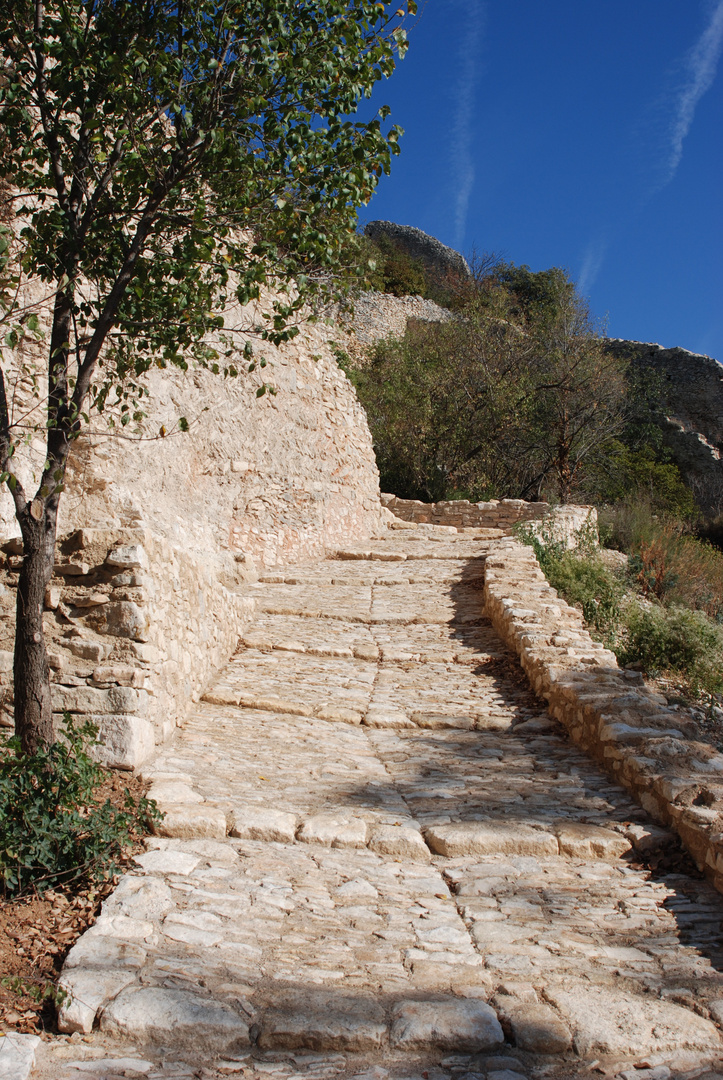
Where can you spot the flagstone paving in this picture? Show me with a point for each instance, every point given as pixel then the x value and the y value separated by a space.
pixel 384 859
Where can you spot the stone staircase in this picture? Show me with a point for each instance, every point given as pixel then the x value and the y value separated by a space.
pixel 383 859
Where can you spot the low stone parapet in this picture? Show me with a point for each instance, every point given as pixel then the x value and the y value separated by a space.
pixel 644 744
pixel 563 521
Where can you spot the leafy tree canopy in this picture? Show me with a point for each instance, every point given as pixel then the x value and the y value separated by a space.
pixel 164 159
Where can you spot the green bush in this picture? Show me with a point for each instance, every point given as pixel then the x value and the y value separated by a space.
pixel 666 562
pixel 580 577
pixel 53 829
pixel 674 640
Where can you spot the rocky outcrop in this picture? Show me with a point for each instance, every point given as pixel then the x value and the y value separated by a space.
pixel 436 256
pixel 691 403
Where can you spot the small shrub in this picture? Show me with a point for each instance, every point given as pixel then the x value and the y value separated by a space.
pixel 666 562
pixel 53 829
pixel 674 640
pixel 579 576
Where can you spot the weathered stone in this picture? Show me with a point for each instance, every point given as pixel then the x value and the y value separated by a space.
pixel 333 830
pixel 168 861
pixel 173 791
pixel 324 1022
pixel 465 1026
pixel 17 1055
pixel 140 898
pixel 104 952
pixel 604 1021
pixel 156 1015
pixel 399 841
pixel 124 742
pixel 535 1027
pixel 125 619
pixel 489 838
pixel 338 714
pixel 128 556
pixel 126 1066
pixel 187 821
pixel 87 650
pixel 88 991
pixel 384 718
pixel 259 823
pixel 442 720
pixel 86 699
pixel 580 841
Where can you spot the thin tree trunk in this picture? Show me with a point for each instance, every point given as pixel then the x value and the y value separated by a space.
pixel 33 707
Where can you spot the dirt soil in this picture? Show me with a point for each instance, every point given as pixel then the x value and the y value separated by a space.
pixel 36 933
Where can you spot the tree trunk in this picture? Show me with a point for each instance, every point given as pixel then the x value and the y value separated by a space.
pixel 33 707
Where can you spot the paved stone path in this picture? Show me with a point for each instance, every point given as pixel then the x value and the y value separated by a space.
pixel 423 878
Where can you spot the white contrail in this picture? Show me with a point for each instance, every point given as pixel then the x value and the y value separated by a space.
pixel 461 152
pixel 592 261
pixel 674 114
pixel 701 64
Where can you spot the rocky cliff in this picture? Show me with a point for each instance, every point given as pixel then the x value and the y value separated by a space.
pixel 691 387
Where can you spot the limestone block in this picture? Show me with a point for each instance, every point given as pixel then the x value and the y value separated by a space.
pixel 338 714
pixel 88 991
pixel 104 952
pixel 125 619
pixel 261 823
pixel 402 842
pixel 17 1055
pixel 378 717
pixel 535 1027
pixel 88 699
pixel 194 928
pixel 333 830
pixel 124 742
pixel 490 838
pixel 128 557
pixel 581 841
pixel 442 720
pixel 173 791
pixel 464 1026
pixel 168 861
pixel 140 898
pixel 87 650
pixel 190 821
pixel 221 696
pixel 179 1018
pixel 604 1021
pixel 320 1021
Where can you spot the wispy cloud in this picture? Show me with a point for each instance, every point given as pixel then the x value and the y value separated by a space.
pixel 700 65
pixel 592 260
pixel 461 136
pixel 660 136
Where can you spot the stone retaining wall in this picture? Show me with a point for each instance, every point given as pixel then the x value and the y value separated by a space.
pixel 136 630
pixel 645 745
pixel 564 521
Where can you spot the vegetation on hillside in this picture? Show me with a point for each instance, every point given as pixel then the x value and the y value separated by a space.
pixel 660 609
pixel 516 396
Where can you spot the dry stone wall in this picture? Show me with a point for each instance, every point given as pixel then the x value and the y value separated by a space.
pixel 645 744
pixel 136 629
pixel 563 522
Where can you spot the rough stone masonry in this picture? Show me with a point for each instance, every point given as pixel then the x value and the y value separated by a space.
pixel 383 858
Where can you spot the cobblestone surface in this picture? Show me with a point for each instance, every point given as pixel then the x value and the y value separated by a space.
pixel 385 860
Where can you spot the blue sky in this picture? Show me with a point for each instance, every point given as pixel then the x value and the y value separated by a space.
pixel 582 135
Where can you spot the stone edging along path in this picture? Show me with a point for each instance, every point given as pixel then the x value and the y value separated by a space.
pixel 641 741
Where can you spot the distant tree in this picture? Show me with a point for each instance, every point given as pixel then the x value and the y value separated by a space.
pixel 163 155
pixel 511 398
